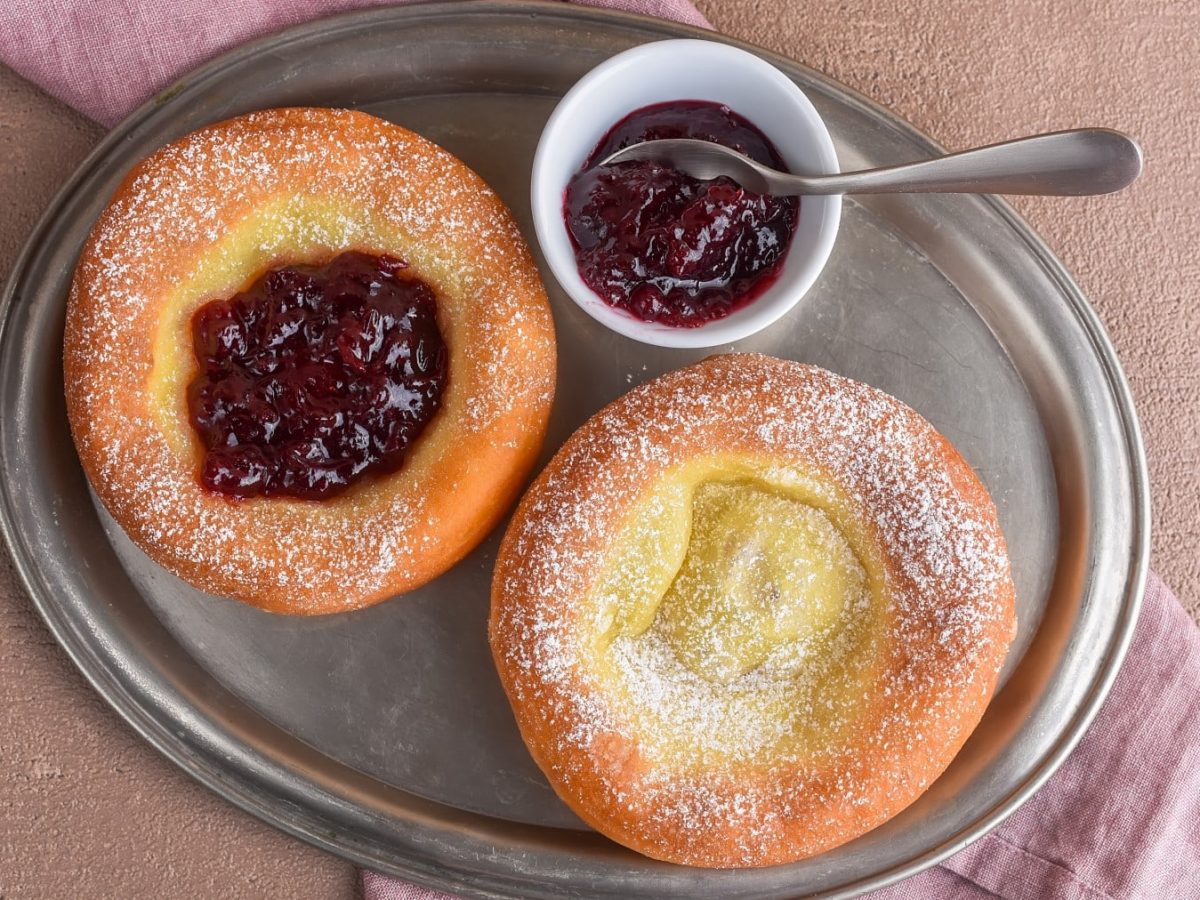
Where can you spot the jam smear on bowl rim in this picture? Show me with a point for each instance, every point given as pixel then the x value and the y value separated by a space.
pixel 666 247
pixel 314 377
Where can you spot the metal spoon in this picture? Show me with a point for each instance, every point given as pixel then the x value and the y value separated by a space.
pixel 1064 163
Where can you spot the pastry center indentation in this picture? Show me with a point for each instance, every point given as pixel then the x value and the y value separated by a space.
pixel 761 570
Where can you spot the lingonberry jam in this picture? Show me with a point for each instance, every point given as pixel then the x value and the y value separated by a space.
pixel 315 376
pixel 664 246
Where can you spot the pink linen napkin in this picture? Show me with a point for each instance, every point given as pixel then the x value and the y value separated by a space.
pixel 105 58
pixel 1121 818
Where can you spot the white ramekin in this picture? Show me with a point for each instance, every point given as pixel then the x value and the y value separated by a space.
pixel 686 70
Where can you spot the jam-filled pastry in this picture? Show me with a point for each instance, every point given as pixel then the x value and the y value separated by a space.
pixel 308 359
pixel 750 611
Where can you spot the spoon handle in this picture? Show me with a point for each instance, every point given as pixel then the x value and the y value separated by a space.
pixel 1084 161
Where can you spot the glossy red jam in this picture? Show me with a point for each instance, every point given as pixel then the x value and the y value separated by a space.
pixel 315 376
pixel 666 247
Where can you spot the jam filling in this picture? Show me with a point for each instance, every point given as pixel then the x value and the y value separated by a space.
pixel 664 246
pixel 315 376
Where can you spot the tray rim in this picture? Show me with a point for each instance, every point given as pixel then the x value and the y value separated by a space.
pixel 249 795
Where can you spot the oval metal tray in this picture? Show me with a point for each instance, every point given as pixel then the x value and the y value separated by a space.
pixel 383 735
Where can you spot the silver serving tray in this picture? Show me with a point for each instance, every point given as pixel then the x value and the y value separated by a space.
pixel 383 735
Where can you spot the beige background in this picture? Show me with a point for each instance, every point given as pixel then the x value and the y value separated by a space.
pixel 86 809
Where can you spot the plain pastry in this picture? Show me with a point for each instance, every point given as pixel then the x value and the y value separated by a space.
pixel 750 611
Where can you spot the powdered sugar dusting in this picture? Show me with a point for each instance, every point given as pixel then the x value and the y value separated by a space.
pixel 833 733
pixel 316 182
